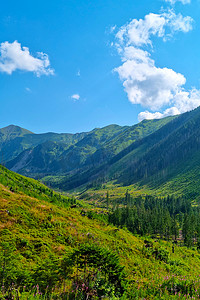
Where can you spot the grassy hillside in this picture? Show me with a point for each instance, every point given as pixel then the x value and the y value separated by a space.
pixel 30 187
pixel 38 236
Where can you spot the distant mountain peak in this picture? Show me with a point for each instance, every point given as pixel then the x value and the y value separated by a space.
pixel 14 128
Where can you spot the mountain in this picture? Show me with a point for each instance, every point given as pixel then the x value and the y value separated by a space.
pixel 11 132
pixel 59 154
pixel 44 157
pixel 161 154
pixel 167 159
pixel 14 140
pixel 172 155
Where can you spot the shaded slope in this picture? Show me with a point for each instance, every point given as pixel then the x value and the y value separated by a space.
pixel 13 148
pixel 58 154
pixel 171 161
pixel 171 148
pixel 153 160
pixel 39 159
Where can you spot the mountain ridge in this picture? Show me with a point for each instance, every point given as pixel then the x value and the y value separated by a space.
pixel 78 151
pixel 153 160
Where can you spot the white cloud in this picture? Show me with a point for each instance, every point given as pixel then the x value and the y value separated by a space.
pixel 174 1
pixel 145 83
pixel 148 85
pixel 172 111
pixel 178 22
pixel 28 89
pixel 75 97
pixel 139 55
pixel 15 57
pixel 183 101
pixel 139 32
pixel 187 100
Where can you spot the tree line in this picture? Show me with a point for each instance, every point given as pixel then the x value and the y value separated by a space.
pixel 169 217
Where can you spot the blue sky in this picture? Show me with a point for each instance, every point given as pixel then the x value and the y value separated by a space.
pixel 88 63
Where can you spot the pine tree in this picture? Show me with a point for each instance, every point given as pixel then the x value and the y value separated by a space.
pixel 107 200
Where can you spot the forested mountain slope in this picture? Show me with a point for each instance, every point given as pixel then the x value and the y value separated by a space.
pixel 162 154
pixel 58 154
pixel 168 153
pixel 173 151
pixel 12 147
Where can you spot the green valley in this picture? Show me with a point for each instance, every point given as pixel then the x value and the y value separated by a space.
pixel 42 232
pixel 124 197
pixel 100 150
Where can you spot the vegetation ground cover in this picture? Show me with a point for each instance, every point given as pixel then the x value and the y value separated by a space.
pixel 38 237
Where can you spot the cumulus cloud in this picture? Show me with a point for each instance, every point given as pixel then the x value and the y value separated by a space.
pixel 174 1
pixel 145 83
pixel 183 101
pixel 139 32
pixel 172 111
pixel 15 57
pixel 75 97
pixel 148 85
